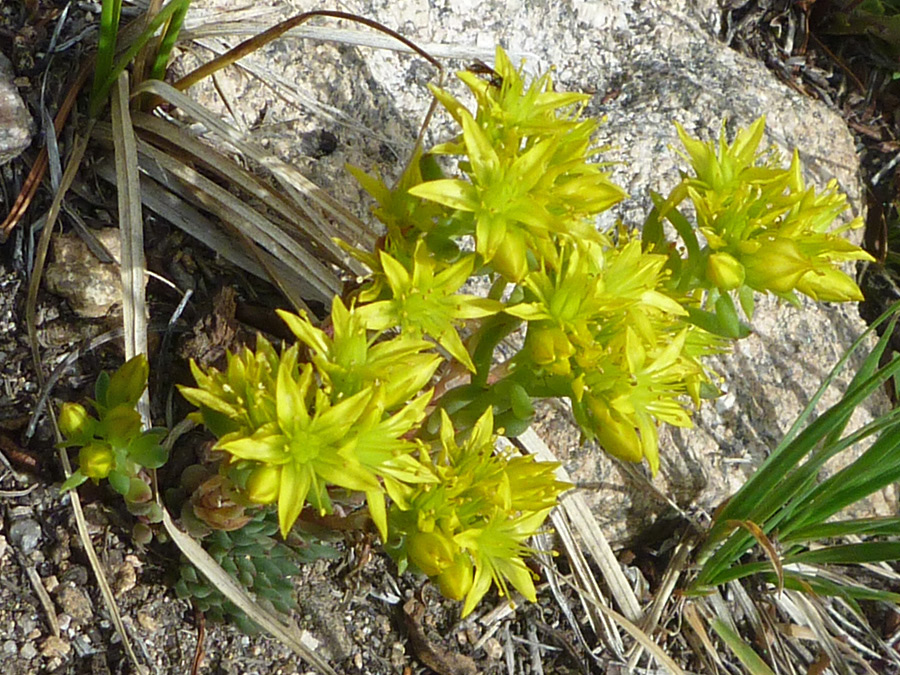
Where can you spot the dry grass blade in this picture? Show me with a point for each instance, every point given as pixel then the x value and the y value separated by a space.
pixel 175 209
pixel 291 94
pixel 661 598
pixel 588 586
pixel 198 557
pixel 806 611
pixel 299 187
pixel 710 654
pixel 131 230
pixel 34 285
pixel 319 280
pixel 198 29
pixel 578 512
pixel 644 640
pixel 291 211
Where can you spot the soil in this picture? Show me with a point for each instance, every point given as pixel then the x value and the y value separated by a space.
pixel 354 609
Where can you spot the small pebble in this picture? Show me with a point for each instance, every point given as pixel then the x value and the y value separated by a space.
pixel 28 651
pixel 76 575
pixel 51 583
pixel 75 602
pixel 9 648
pixel 398 654
pixel 493 648
pixel 64 621
pixel 83 646
pixel 55 647
pixel 125 579
pixel 147 622
pixel 27 624
pixel 25 534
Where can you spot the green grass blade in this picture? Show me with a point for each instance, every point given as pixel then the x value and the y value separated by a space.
pixel 866 370
pixel 744 504
pixel 751 660
pixel 849 592
pixel 169 37
pixel 873 527
pixel 767 492
pixel 849 554
pixel 735 572
pixel 110 13
pixel 876 468
pixel 99 96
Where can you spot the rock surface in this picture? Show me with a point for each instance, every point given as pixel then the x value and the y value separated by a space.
pixel 91 288
pixel 15 121
pixel 648 64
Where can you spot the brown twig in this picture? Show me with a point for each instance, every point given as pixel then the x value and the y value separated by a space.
pixel 199 652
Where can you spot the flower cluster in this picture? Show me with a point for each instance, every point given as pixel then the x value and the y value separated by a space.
pixel 398 395
pixel 300 427
pixel 765 230
pixel 469 529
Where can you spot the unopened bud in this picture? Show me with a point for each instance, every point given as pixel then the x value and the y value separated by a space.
pixel 456 580
pixel 264 484
pixel 96 460
pixel 829 285
pixel 431 552
pixel 725 271
pixel 75 422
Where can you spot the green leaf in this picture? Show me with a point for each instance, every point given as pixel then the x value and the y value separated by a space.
pixel 120 482
pixel 457 194
pixel 728 318
pixel 888 526
pixel 849 554
pixel 146 451
pixel 73 481
pixel 100 388
pixel 128 382
pixel 521 403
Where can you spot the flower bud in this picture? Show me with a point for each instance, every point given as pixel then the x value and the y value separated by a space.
pixel 431 552
pixel 456 580
pixel 96 460
pixel 549 346
pixel 617 436
pixel 264 484
pixel 724 270
pixel 75 423
pixel 777 266
pixel 829 285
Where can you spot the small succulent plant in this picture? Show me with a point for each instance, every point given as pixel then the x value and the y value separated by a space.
pixel 113 444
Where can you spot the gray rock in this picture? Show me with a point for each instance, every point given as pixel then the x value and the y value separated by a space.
pixel 24 534
pixel 15 121
pixel 650 63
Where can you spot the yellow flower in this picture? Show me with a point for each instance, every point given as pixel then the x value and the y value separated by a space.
pixel 427 302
